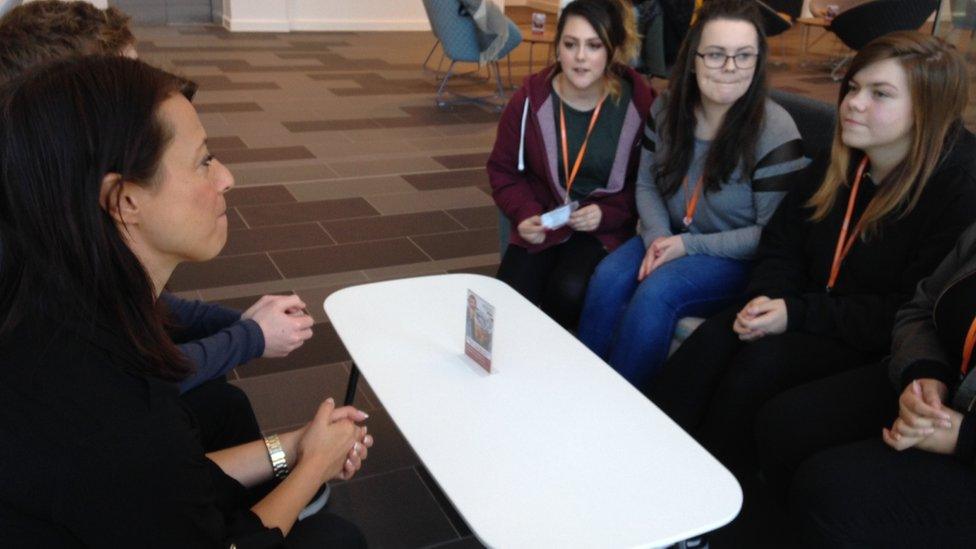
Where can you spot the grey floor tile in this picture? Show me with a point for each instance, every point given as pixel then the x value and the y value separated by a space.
pixel 394 510
pixel 223 271
pixel 290 399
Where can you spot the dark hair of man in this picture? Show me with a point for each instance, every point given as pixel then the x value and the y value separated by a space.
pixel 735 141
pixel 46 30
pixel 63 128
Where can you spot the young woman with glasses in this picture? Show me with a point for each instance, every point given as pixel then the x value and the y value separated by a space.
pixel 718 156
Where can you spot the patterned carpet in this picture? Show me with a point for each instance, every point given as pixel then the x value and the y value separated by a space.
pixel 347 173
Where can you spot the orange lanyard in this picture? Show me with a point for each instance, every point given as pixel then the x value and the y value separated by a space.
pixel 845 244
pixel 570 177
pixel 691 203
pixel 967 348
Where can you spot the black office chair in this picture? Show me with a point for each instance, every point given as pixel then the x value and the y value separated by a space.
pixel 861 24
pixel 815 120
pixel 776 22
pixel 793 8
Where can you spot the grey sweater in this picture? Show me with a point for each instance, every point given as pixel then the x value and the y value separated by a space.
pixel 727 223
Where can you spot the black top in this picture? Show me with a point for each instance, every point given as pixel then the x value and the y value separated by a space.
pixel 95 455
pixel 929 333
pixel 601 150
pixel 880 274
pixel 953 315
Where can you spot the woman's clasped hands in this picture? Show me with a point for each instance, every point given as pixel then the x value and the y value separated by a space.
pixel 923 421
pixel 759 318
pixel 662 250
pixel 334 441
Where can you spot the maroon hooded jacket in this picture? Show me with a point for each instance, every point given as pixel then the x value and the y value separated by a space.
pixel 523 172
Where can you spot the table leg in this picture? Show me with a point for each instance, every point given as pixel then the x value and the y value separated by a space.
pixel 351 386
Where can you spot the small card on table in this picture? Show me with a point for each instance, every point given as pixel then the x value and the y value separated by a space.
pixel 479 326
pixel 554 219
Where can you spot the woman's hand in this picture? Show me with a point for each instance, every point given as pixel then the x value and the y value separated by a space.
pixel 586 219
pixel 283 323
pixel 330 446
pixel 360 448
pixel 327 443
pixel 358 453
pixel 665 249
pixel 648 262
pixel 743 317
pixel 760 317
pixel 531 230
pixel 939 441
pixel 920 407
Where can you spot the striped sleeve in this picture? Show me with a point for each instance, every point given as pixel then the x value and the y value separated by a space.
pixel 781 158
pixel 654 221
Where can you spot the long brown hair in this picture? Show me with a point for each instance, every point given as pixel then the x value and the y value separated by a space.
pixel 63 128
pixel 939 88
pixel 735 142
pixel 614 23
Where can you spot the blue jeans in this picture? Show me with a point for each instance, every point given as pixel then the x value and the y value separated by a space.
pixel 630 324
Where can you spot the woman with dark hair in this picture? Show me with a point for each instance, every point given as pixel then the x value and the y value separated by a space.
pixel 718 157
pixel 842 253
pixel 106 185
pixel 563 166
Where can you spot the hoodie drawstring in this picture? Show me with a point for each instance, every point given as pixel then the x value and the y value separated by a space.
pixel 525 117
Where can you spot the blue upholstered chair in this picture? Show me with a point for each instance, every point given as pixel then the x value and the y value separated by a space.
pixel 462 43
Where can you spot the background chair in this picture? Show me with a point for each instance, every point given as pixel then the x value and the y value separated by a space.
pixel 461 42
pixel 775 23
pixel 815 120
pixel 861 24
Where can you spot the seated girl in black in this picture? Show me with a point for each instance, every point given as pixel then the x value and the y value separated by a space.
pixel 843 252
pixel 106 185
pixel 826 446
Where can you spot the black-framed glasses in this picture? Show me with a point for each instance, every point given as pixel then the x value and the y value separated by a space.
pixel 717 59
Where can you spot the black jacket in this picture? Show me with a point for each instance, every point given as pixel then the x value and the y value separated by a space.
pixel 921 347
pixel 918 348
pixel 96 456
pixel 880 274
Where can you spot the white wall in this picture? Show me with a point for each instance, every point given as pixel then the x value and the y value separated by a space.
pixel 256 15
pixel 357 15
pixel 349 15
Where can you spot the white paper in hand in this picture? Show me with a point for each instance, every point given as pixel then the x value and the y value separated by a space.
pixel 558 217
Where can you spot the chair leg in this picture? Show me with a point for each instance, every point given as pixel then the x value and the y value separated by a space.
pixel 509 59
pixel 439 63
pixel 491 101
pixel 498 79
pixel 429 54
